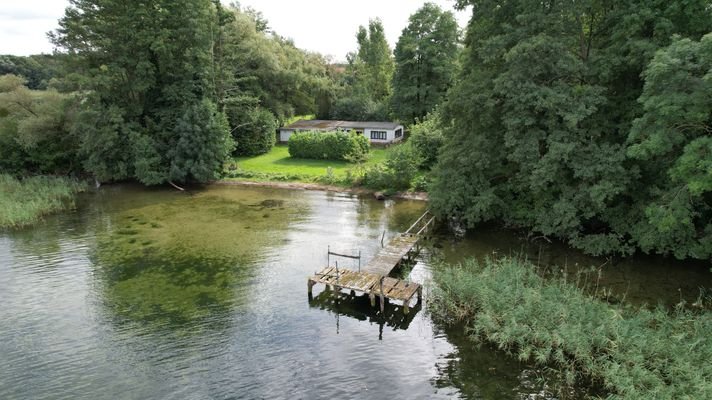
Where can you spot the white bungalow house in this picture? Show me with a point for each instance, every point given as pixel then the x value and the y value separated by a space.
pixel 376 132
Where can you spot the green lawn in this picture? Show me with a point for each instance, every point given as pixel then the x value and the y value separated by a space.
pixel 278 161
pixel 299 117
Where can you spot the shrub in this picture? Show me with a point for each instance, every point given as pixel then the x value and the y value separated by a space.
pixel 378 177
pixel 427 137
pixel 328 146
pixel 396 172
pixel 255 132
pixel 420 183
pixel 633 353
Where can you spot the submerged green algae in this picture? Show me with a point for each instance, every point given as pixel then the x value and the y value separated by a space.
pixel 185 258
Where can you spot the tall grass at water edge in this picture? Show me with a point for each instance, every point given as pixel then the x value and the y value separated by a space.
pixel 25 202
pixel 631 353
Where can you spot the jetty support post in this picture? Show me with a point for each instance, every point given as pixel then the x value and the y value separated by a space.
pixel 335 287
pixel 383 299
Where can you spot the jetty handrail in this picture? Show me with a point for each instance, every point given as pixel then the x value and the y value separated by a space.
pixel 345 255
pixel 427 224
pixel 407 232
pixel 330 253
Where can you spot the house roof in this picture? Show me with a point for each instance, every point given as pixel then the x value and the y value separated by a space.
pixel 320 124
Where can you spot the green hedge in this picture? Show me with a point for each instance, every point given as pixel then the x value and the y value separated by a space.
pixel 328 145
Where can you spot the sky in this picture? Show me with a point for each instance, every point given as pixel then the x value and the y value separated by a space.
pixel 325 26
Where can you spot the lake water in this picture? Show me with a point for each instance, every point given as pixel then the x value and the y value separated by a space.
pixel 155 294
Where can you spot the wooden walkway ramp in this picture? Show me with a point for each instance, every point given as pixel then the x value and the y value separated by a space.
pixel 373 278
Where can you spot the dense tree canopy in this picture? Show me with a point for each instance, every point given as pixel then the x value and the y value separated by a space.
pixel 35 129
pixel 161 101
pixel 151 113
pixel 372 65
pixel 366 87
pixel 264 78
pixel 587 121
pixel 542 114
pixel 38 70
pixel 672 140
pixel 425 58
pixel 263 68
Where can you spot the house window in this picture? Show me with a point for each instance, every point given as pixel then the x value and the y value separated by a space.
pixel 399 132
pixel 379 135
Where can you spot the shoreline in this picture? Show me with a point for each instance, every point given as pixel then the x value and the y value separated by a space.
pixel 418 196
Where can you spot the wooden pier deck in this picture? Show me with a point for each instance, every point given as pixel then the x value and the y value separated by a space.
pixel 373 278
pixel 390 256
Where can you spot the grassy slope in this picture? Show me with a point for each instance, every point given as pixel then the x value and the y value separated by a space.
pixel 26 202
pixel 278 161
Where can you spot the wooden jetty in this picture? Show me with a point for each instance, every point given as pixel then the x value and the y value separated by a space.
pixel 373 278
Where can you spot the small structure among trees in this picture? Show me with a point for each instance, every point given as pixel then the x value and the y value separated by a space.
pixel 375 132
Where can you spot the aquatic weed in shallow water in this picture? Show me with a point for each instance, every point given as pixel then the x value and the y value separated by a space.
pixel 189 265
pixel 632 353
pixel 25 202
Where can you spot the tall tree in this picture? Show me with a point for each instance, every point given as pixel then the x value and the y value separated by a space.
pixel 266 73
pixel 426 59
pixel 673 141
pixel 151 111
pixel 366 85
pixel 374 60
pixel 541 118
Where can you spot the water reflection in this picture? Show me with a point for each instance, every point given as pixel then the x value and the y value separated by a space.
pixel 640 280
pixel 359 307
pixel 149 293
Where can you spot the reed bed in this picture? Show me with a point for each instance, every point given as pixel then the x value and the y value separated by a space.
pixel 25 202
pixel 632 353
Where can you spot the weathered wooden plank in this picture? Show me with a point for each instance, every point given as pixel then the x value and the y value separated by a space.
pixel 348 279
pixel 327 271
pixel 390 256
pixel 397 289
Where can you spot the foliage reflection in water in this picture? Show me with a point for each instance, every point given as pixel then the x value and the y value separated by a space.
pixel 151 293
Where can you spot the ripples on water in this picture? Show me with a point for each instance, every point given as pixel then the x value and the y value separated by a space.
pixel 151 294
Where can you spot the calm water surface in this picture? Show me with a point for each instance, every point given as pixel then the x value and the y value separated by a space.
pixel 154 294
